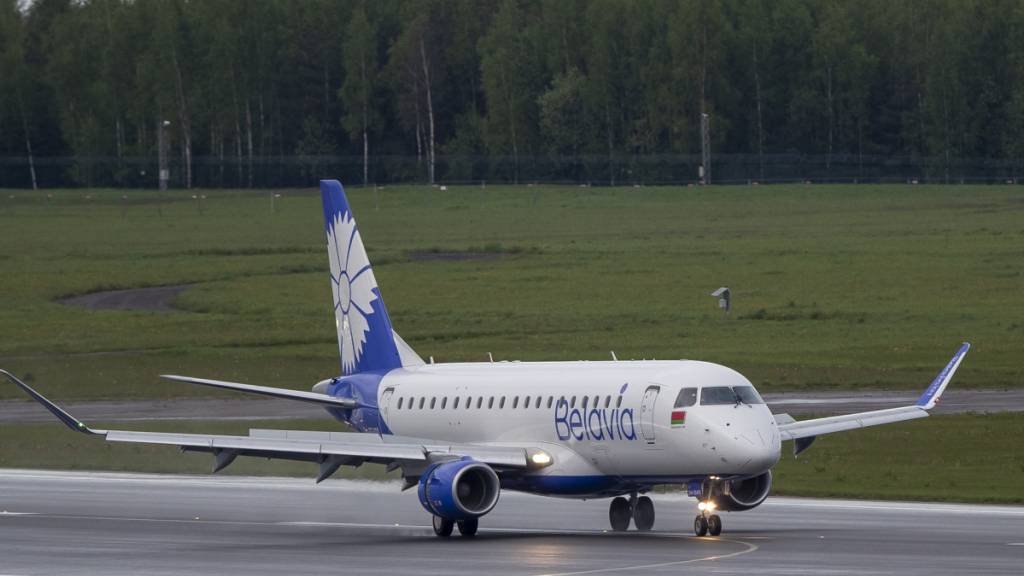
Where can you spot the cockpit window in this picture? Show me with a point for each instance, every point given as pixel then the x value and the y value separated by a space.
pixel 686 397
pixel 748 395
pixel 712 395
pixel 717 395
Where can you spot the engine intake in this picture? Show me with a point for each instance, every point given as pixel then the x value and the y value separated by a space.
pixel 739 495
pixel 459 489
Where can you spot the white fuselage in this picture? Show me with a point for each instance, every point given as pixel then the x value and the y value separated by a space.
pixel 596 419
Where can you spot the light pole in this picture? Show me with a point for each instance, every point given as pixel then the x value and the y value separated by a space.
pixel 164 172
pixel 705 148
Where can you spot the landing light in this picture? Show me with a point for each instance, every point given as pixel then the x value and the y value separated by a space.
pixel 541 459
pixel 708 506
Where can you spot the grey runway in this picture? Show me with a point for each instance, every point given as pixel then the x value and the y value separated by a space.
pixel 243 408
pixel 93 523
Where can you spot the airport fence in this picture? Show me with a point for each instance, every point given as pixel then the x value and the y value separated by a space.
pixel 595 170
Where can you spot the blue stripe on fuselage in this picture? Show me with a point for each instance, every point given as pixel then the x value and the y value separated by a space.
pixel 594 486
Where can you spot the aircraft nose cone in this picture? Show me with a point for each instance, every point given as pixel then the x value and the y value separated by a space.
pixel 754 448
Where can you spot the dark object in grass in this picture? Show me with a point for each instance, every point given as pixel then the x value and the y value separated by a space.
pixel 155 299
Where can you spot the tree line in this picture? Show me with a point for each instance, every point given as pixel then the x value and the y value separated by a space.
pixel 428 90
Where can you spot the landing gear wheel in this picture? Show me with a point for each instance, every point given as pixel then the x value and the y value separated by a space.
pixel 643 514
pixel 468 527
pixel 700 526
pixel 443 527
pixel 714 525
pixel 619 514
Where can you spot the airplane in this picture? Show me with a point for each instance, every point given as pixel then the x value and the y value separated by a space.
pixel 460 433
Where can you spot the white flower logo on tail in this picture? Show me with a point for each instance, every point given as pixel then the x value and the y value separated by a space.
pixel 352 284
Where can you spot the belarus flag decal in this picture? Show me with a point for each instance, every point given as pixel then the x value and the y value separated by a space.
pixel 678 417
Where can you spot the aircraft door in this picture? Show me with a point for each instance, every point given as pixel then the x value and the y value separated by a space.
pixel 385 405
pixel 647 413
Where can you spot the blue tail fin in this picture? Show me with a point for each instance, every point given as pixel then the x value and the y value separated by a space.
pixel 365 338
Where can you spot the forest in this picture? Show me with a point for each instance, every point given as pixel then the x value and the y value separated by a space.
pixel 281 92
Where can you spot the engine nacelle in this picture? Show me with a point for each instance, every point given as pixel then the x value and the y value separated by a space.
pixel 739 495
pixel 459 489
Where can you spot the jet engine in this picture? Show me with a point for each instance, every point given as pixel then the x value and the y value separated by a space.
pixel 739 495
pixel 459 489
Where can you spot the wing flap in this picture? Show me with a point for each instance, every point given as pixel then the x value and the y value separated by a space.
pixel 367 450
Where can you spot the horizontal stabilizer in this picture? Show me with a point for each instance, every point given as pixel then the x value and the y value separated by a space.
pixel 288 394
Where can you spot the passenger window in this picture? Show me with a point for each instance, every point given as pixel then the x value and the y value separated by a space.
pixel 586 400
pixel 490 403
pixel 455 406
pixel 444 402
pixel 607 401
pixel 618 402
pixel 469 402
pixel 597 399
pixel 526 402
pixel 686 397
pixel 400 403
pixel 515 402
pixel 479 402
pixel 551 400
pixel 501 403
pixel 539 400
pixel 572 403
pixel 422 400
pixel 410 403
pixel 433 402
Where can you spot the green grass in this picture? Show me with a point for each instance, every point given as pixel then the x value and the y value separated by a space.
pixel 965 457
pixel 834 286
pixel 972 458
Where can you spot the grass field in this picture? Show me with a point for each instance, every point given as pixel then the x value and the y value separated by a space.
pixel 959 458
pixel 834 286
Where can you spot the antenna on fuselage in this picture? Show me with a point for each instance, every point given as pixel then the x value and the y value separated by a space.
pixel 613 356
pixel 491 356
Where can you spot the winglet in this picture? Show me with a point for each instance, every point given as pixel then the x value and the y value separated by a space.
pixel 68 420
pixel 931 396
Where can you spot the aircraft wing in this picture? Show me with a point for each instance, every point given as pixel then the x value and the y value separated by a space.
pixel 804 431
pixel 330 449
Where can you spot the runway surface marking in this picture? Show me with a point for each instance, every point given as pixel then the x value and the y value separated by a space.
pixel 747 550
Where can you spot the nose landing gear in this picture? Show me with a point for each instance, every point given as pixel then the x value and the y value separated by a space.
pixel 638 509
pixel 707 524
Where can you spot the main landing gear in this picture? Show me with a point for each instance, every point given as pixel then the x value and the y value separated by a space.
pixel 639 510
pixel 707 524
pixel 444 527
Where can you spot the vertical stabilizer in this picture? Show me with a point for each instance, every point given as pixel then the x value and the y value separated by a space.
pixel 365 338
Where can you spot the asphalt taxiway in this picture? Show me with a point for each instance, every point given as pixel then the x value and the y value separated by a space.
pixel 98 523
